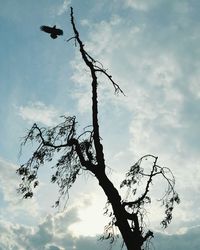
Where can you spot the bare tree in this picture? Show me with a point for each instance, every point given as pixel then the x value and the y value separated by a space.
pixel 75 153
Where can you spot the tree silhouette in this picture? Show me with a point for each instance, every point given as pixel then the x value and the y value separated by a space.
pixel 75 153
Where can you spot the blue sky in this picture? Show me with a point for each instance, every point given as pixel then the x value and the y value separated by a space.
pixel 151 48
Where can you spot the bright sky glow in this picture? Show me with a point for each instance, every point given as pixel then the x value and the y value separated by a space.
pixel 151 48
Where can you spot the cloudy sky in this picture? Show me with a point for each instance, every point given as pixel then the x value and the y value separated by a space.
pixel 151 48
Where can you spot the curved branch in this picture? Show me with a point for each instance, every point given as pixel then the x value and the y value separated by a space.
pixel 47 143
pixel 142 197
pixel 115 85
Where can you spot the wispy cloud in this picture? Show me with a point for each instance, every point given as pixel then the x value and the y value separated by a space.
pixel 161 83
pixel 39 112
pixel 141 5
pixel 14 205
pixel 65 5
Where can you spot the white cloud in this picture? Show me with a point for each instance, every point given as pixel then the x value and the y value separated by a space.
pixel 104 39
pixel 52 233
pixel 82 81
pixel 89 209
pixel 61 9
pixel 39 112
pixel 152 66
pixel 15 236
pixel 194 85
pixel 8 236
pixel 76 220
pixel 15 206
pixel 19 237
pixel 55 231
pixel 142 5
pixel 188 240
pixel 158 93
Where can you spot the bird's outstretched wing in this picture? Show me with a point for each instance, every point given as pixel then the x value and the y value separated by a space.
pixel 46 29
pixel 52 30
pixel 59 32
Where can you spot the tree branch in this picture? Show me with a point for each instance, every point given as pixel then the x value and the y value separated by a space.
pixel 87 164
pixel 141 198
pixel 89 62
pixel 47 143
pixel 115 85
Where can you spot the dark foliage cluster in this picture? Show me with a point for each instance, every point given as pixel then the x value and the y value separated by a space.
pixel 56 143
pixel 132 180
pixel 135 204
pixel 110 230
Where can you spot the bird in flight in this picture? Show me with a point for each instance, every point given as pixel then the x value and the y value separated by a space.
pixel 53 31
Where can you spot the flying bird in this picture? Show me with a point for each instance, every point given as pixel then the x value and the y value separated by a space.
pixel 53 31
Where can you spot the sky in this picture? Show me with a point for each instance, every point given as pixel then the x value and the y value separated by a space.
pixel 151 49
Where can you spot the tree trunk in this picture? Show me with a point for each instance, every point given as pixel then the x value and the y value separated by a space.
pixel 114 198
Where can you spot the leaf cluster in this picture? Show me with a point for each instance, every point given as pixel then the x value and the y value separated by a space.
pixel 135 175
pixel 60 144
